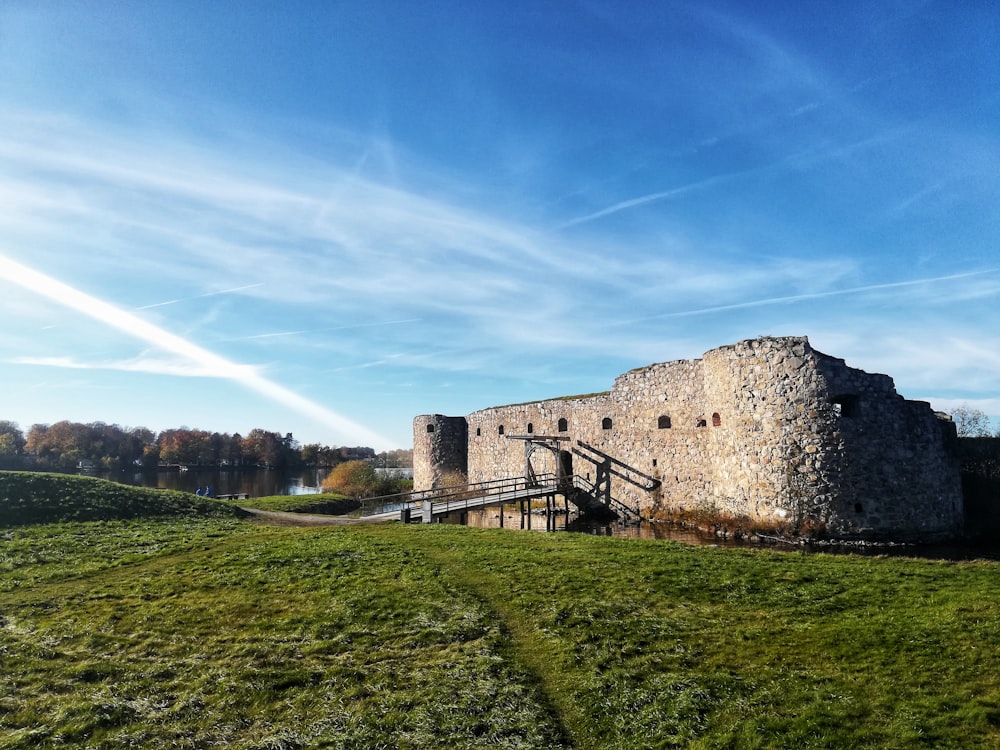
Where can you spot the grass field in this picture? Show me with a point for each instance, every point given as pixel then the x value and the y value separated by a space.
pixel 208 631
pixel 326 502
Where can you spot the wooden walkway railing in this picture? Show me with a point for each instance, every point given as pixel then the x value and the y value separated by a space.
pixel 430 505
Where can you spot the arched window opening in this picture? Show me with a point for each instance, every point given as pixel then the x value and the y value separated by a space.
pixel 430 428
pixel 500 430
pixel 654 463
pixel 531 428
pixel 716 420
pixel 606 423
pixel 563 424
pixel 700 421
pixel 479 431
pixel 663 423
pixel 846 405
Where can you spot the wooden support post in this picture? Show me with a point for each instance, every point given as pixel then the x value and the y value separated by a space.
pixel 521 504
pixel 501 515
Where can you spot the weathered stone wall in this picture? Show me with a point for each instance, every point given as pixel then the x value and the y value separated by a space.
pixel 767 429
pixel 896 460
pixel 440 449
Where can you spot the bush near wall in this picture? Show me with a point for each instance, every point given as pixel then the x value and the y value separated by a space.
pixel 358 479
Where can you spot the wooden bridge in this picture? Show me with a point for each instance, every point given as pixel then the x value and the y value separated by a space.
pixel 593 499
pixel 514 491
pixel 431 506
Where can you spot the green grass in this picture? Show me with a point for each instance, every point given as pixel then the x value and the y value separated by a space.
pixel 30 497
pixel 205 632
pixel 327 503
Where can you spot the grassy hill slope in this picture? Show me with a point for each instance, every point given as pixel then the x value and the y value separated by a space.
pixel 326 503
pixel 28 498
pixel 215 633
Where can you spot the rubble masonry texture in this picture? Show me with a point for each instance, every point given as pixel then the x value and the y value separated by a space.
pixel 767 429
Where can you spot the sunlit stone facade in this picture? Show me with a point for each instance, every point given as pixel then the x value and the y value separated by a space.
pixel 768 430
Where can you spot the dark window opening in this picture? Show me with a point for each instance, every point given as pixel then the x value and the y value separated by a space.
pixel 716 420
pixel 858 508
pixel 663 422
pixel 565 464
pixel 606 423
pixel 700 421
pixel 479 431
pixel 500 430
pixel 430 428
pixel 654 463
pixel 846 405
pixel 563 424
pixel 531 428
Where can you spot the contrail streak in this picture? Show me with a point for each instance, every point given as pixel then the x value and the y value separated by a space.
pixel 804 297
pixel 278 334
pixel 126 322
pixel 200 296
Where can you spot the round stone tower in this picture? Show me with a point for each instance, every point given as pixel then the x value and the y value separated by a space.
pixel 440 448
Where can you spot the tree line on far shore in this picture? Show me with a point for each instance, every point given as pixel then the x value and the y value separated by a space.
pixel 65 446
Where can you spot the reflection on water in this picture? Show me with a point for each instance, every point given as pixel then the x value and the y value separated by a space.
pixel 562 521
pixel 254 482
pixel 512 519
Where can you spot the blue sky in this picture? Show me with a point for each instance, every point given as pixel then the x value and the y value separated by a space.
pixel 326 218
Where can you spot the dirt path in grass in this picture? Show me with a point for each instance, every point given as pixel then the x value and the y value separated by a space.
pixel 280 518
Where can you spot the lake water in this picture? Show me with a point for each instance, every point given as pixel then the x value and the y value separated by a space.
pixel 512 519
pixel 255 482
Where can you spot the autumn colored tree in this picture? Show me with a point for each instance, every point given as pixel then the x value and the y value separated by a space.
pixel 359 479
pixel 354 479
pixel 11 445
pixel 63 445
pixel 186 446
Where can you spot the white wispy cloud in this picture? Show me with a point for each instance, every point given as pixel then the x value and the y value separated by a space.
pixel 332 243
pixel 128 323
pixel 764 302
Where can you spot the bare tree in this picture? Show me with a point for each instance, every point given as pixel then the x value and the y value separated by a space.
pixel 971 422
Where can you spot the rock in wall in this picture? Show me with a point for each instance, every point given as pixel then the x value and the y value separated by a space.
pixel 440 450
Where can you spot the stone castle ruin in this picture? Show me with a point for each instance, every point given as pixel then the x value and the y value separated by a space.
pixel 767 431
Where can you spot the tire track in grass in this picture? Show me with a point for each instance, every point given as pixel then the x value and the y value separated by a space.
pixel 542 657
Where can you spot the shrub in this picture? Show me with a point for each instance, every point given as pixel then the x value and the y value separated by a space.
pixel 352 478
pixel 358 479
